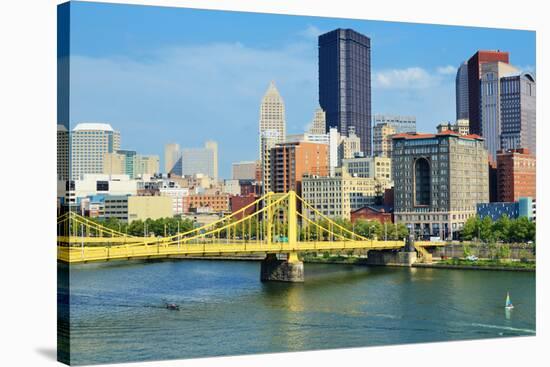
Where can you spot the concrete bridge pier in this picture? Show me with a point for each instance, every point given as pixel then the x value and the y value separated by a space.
pixel 290 270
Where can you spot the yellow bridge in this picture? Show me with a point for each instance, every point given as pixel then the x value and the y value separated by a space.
pixel 270 225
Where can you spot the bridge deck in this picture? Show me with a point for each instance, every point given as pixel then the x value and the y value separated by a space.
pixel 77 254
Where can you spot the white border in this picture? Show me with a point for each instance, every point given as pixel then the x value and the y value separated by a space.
pixel 28 86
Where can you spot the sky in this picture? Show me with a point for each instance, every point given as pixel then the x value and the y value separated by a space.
pixel 161 75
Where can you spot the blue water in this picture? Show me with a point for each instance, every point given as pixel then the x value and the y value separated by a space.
pixel 117 310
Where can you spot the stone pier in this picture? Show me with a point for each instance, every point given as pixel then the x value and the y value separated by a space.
pixel 290 270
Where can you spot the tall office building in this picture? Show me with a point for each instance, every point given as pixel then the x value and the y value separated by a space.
pixel 401 124
pixel 88 144
pixel 319 123
pixel 461 94
pixel 200 160
pixel 349 146
pixel 474 90
pixel 490 122
pixel 129 161
pixel 172 155
pixel 382 141
pixel 518 112
pixel 272 114
pixel 345 83
pixel 213 146
pixel 62 153
pixel 439 179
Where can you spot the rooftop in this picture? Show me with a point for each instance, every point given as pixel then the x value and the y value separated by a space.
pixel 92 126
pixel 430 136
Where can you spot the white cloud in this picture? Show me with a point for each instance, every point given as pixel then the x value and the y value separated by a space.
pixel 408 78
pixel 311 32
pixel 447 70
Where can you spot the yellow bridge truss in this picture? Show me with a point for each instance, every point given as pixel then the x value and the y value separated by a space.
pixel 271 224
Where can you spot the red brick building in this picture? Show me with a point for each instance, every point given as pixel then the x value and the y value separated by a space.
pixel 240 201
pixel 291 161
pixel 372 213
pixel 216 203
pixel 516 175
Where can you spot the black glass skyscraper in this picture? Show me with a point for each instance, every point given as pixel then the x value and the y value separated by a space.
pixel 345 83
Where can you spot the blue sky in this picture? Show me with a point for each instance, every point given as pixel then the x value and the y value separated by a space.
pixel 161 75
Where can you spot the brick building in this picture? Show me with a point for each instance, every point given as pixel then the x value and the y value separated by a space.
pixel 516 175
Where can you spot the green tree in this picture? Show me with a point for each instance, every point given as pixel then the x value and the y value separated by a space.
pixel 502 228
pixel 486 230
pixel 471 228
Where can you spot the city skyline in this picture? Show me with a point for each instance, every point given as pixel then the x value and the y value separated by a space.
pixel 154 90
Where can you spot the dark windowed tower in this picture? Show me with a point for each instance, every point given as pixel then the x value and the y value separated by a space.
pixel 345 83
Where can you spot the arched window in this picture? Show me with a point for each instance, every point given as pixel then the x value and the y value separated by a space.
pixel 422 179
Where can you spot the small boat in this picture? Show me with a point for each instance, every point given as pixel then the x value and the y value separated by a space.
pixel 172 306
pixel 509 304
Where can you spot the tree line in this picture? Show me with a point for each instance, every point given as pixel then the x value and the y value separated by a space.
pixel 504 229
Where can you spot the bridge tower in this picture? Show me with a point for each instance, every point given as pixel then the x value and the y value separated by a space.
pixel 290 269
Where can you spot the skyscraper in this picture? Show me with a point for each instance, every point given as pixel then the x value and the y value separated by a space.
pixel 268 140
pixel 272 114
pixel 88 144
pixel 200 160
pixel 318 125
pixel 474 91
pixel 171 156
pixel 518 111
pixel 490 119
pixel 382 141
pixel 345 83
pixel 461 85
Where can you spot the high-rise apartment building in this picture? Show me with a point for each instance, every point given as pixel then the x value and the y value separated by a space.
pixel 88 144
pixel 491 72
pixel 114 164
pixel 318 125
pixel 268 140
pixel 474 90
pixel 129 162
pixel 439 179
pixel 461 92
pixel 518 112
pixel 345 83
pixel 200 160
pixel 243 170
pixel 291 161
pixel 516 175
pixel 172 155
pixel 401 124
pixel 382 141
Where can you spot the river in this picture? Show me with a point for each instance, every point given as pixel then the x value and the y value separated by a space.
pixel 117 309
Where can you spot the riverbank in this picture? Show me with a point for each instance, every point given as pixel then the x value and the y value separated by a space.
pixel 464 264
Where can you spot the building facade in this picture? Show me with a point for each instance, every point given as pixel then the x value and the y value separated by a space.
pixel 518 111
pixel 345 83
pixel 474 89
pixel 146 165
pixel 461 126
pixel 217 202
pixel 269 139
pixel 461 91
pixel 438 181
pixel 291 161
pixel 491 72
pixel 88 144
pixel 382 141
pixel 243 170
pixel 272 116
pixel 338 196
pixel 318 125
pixel 172 155
pixel 200 160
pixel 401 124
pixel 349 146
pixel 516 175
pixel 369 167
